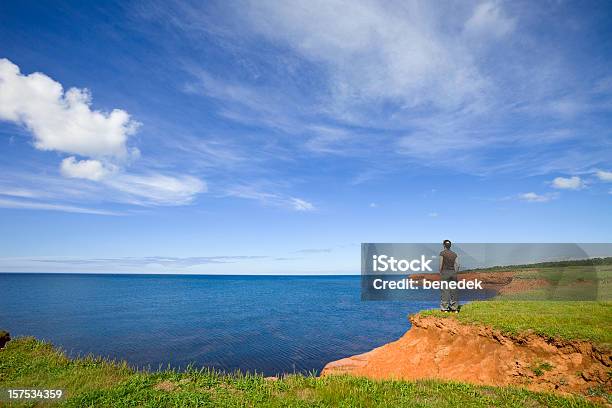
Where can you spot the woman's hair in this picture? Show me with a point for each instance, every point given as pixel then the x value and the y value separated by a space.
pixel 447 243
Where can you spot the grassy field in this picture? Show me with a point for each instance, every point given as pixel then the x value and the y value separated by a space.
pixel 574 282
pixel 580 305
pixel 578 320
pixel 94 382
pixel 565 282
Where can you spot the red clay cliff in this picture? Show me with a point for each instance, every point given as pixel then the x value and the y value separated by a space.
pixel 443 348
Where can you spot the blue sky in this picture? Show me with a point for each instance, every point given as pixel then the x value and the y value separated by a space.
pixel 275 136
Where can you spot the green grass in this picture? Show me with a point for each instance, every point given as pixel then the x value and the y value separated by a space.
pixel 587 320
pixel 568 283
pixel 579 305
pixel 539 368
pixel 95 382
pixel 565 283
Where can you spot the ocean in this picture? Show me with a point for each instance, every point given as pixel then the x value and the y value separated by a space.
pixel 264 324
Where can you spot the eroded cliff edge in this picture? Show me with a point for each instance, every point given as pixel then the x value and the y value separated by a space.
pixel 443 348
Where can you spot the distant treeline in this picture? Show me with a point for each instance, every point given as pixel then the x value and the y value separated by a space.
pixel 575 262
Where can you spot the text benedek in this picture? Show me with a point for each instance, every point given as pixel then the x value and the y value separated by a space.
pixel 409 283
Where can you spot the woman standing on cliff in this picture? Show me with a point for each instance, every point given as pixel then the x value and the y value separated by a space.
pixel 449 266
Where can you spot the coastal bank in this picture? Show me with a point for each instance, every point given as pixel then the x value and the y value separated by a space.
pixel 443 348
pixel 548 329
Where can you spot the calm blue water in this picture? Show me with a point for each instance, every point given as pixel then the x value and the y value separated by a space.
pixel 265 324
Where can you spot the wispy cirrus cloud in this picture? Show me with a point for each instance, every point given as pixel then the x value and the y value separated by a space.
pixel 487 19
pixel 247 103
pixel 19 192
pixel 405 81
pixel 314 250
pixel 270 199
pixel 170 261
pixel 47 206
pixel 147 264
pixel 157 189
pixel 142 190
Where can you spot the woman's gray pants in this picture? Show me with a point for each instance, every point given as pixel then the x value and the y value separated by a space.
pixel 448 297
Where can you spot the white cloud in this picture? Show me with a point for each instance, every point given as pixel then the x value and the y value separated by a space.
pixel 301 205
pixel 19 192
pixel 171 261
pixel 65 122
pixel 424 79
pixel 144 264
pixel 274 199
pixel 373 51
pixel 537 198
pixel 327 139
pixel 489 18
pixel 31 205
pixel 433 214
pixel 61 121
pixel 247 103
pixel 314 251
pixel 147 189
pixel 604 175
pixel 85 169
pixel 157 189
pixel 568 183
pixel 373 205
